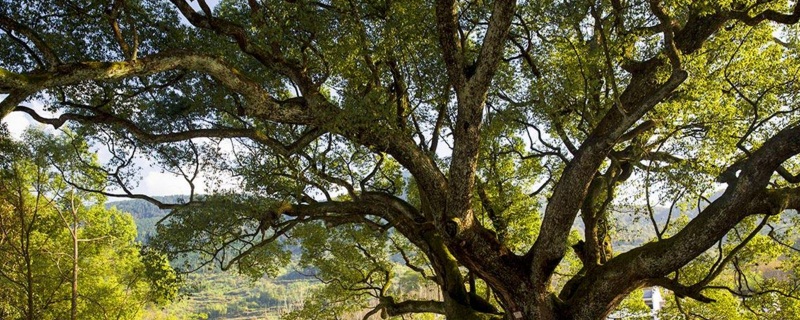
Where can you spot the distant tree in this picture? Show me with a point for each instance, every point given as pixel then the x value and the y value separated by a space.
pixel 64 255
pixel 461 139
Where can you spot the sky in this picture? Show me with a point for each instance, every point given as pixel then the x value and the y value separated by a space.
pixel 153 181
pixel 16 122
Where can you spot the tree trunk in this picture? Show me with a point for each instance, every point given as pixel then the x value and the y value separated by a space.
pixel 25 245
pixel 73 230
pixel 29 283
pixel 74 310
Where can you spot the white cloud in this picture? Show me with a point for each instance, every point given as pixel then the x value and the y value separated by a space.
pixel 17 123
pixel 155 183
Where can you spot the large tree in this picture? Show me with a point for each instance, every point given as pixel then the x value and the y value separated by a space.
pixel 450 124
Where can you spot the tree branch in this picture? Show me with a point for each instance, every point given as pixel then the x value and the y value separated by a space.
pixel 49 55
pixel 680 290
pixel 745 196
pixel 493 45
pixel 272 58
pixel 447 25
pixel 768 15
pixel 156 138
pixel 260 103
pixel 394 309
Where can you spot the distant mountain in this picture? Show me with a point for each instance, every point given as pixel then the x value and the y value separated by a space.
pixel 145 214
pixel 141 209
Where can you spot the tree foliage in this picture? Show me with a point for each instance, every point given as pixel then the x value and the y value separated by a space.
pixel 60 247
pixel 463 140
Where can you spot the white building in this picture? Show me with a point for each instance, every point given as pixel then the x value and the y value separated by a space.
pixel 653 299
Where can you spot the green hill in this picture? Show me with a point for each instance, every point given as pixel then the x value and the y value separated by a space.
pixel 214 294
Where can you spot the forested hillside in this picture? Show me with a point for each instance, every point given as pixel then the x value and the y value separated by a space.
pixel 144 213
pixel 215 294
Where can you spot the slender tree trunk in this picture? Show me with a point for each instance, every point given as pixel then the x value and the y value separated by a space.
pixel 74 311
pixel 29 284
pixel 25 245
pixel 74 233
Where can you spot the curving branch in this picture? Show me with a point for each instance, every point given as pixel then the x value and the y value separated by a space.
pixel 680 290
pixel 130 52
pixel 101 116
pixel 8 25
pixel 788 176
pixel 767 15
pixel 668 25
pixel 638 130
pixel 272 58
pixel 745 196
pixel 394 309
pixel 695 291
pixel 260 103
pixel 12 101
